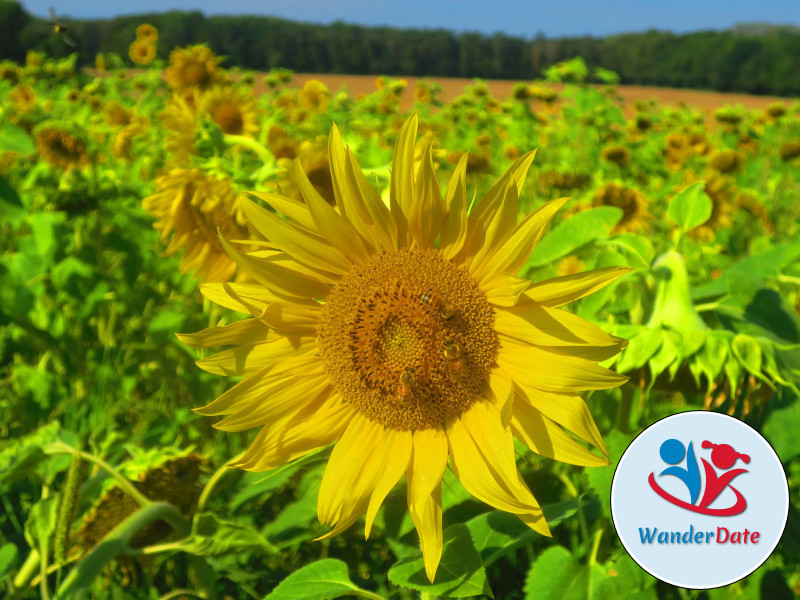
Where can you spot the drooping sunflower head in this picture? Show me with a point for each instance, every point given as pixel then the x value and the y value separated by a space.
pixel 193 67
pixel 280 143
pixel 60 145
pixel 115 114
pixel 403 333
pixel 727 161
pixel 790 151
pixel 23 98
pixel 313 159
pixel 619 155
pixel 635 215
pixel 142 51
pixel 191 208
pixel 233 109
pixel 314 96
pixel 72 96
pixel 9 71
pixel 147 32
pixel 180 120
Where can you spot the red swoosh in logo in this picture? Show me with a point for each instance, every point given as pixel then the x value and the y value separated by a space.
pixel 737 508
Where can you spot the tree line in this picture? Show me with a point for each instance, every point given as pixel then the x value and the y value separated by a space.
pixel 755 58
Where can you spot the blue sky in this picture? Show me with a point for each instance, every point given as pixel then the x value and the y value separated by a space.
pixel 516 17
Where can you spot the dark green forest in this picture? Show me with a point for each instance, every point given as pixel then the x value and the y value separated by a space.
pixel 756 59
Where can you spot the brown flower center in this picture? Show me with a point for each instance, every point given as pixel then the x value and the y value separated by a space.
pixel 229 118
pixel 408 338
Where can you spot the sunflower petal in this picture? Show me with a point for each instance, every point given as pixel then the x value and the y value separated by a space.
pixel 536 367
pixel 278 396
pixel 482 457
pixel 454 228
pixel 428 462
pixel 428 521
pixel 567 410
pixel 399 455
pixel 289 207
pixel 427 211
pixel 308 428
pixel 379 222
pixel 302 245
pixel 563 290
pixel 542 326
pixel 293 318
pixel 500 392
pixel 245 333
pixel 504 290
pixel 245 360
pixel 276 278
pixel 330 224
pixel 401 186
pixel 516 248
pixel 544 437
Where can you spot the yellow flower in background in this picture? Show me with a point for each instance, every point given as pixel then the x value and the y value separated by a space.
pixel 180 121
pixel 193 67
pixel 100 62
pixel 233 109
pixel 115 114
pixel 404 353
pixel 635 215
pixel 313 159
pixel 191 209
pixel 142 52
pixel 147 32
pixel 23 98
pixel 280 143
pixel 59 145
pixel 314 96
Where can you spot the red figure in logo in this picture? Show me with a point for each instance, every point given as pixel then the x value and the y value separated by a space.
pixel 724 457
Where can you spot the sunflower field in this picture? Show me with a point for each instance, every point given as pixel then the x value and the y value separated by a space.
pixel 263 340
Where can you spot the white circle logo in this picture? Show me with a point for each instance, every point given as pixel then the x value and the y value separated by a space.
pixel 699 500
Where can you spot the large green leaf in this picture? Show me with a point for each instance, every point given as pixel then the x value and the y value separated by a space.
pixel 321 580
pixel 9 556
pixel 213 536
pixel 14 138
pixel 690 208
pixel 460 573
pixel 577 231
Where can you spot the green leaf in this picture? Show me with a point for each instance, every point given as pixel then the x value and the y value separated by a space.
pixel 600 477
pixel 22 457
pixel 578 230
pixel 14 138
pixel 167 321
pixel 640 349
pixel 72 265
pixel 10 205
pixel 557 575
pixel 321 580
pixel 780 428
pixel 9 556
pixel 626 579
pixel 748 352
pixel 213 536
pixel 638 247
pixel 690 208
pixel 667 354
pixel 41 522
pixel 460 574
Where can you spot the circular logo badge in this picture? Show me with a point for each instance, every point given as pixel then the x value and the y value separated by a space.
pixel 699 500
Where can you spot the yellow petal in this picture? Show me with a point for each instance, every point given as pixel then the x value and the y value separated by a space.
pixel 428 462
pixel 401 186
pixel 245 360
pixel 329 223
pixel 537 367
pixel 504 290
pixel 544 437
pixel 289 207
pixel 302 245
pixel 454 228
pixel 276 278
pixel 308 428
pixel 542 326
pixel 292 317
pixel 482 457
pixel 496 213
pixel 567 410
pixel 353 471
pixel 499 390
pixel 399 455
pixel 244 333
pixel 278 396
pixel 378 222
pixel 426 213
pixel 428 521
pixel 515 249
pixel 562 290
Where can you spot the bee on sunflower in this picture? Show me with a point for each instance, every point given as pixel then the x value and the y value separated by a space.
pixel 404 352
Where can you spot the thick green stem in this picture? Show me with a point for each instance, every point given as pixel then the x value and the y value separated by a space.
pixel 673 307
pixel 250 144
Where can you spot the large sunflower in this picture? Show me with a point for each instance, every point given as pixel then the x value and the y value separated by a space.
pixel 405 352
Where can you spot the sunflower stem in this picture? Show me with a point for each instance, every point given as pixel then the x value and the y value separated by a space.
pixel 598 535
pixel 250 144
pixel 201 503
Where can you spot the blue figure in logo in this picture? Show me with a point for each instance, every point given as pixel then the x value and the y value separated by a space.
pixel 672 452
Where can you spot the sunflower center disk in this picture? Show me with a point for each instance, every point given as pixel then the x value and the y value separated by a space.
pixel 408 338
